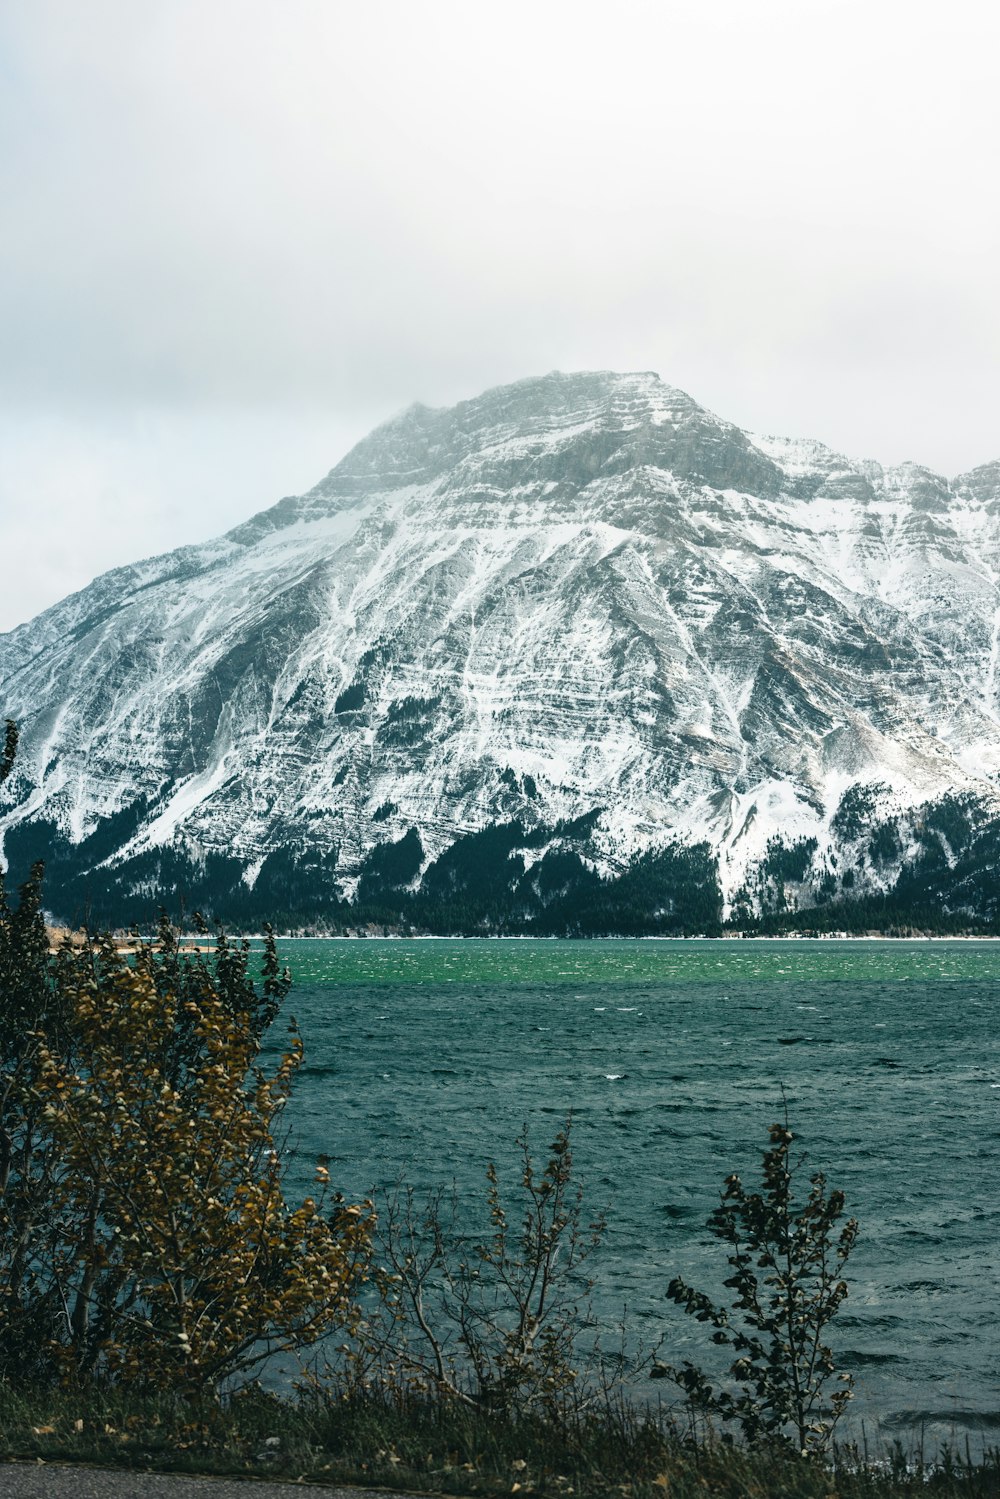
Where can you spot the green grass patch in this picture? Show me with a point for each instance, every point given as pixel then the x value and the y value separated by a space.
pixel 443 1446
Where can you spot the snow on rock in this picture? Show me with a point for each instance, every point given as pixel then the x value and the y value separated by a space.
pixel 576 592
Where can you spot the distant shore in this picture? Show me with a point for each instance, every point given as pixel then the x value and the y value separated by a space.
pixel 193 945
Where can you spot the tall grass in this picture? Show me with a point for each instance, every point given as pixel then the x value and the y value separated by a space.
pixel 435 1444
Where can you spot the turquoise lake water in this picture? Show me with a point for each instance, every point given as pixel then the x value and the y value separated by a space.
pixel 424 1058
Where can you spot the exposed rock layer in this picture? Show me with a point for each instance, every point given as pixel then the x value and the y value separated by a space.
pixel 577 593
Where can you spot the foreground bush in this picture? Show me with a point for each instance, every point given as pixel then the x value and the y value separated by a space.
pixel 787 1260
pixel 144 1232
pixel 491 1319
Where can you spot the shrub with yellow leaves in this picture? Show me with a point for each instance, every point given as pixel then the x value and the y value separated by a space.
pixel 184 1264
pixel 144 1231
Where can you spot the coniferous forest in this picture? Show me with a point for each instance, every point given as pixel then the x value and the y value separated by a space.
pixel 934 872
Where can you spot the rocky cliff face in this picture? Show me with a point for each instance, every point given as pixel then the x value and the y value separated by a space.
pixel 581 594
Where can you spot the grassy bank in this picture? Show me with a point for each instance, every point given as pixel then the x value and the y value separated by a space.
pixel 441 1446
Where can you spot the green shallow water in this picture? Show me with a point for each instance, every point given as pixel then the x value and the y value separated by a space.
pixel 516 962
pixel 425 1057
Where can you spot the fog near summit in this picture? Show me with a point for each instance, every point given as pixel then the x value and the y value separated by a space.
pixel 238 235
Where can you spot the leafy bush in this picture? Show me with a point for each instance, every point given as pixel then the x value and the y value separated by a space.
pixel 144 1232
pixel 782 1366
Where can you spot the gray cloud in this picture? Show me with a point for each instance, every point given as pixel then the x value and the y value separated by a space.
pixel 236 234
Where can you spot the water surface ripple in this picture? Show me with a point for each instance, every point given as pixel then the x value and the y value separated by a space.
pixel 425 1057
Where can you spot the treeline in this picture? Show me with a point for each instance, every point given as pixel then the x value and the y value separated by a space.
pixel 947 880
pixel 934 870
pixel 507 879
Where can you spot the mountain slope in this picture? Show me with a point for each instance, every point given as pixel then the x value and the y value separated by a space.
pixel 581 594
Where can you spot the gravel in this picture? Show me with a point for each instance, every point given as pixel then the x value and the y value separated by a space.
pixel 56 1481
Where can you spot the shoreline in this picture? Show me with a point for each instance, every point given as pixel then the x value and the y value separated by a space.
pixel 607 937
pixel 191 949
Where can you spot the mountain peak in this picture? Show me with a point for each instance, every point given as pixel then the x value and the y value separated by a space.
pixel 423 441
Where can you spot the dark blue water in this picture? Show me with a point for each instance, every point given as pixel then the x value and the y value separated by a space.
pixel 425 1058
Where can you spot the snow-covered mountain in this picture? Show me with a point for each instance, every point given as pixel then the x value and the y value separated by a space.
pixel 577 594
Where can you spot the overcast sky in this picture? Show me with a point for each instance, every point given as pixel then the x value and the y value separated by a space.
pixel 234 235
